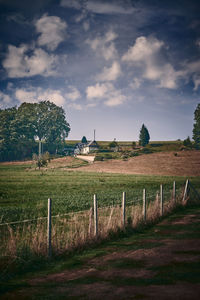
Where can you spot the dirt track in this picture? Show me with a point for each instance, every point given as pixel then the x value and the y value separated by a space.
pixel 162 264
pixel 186 163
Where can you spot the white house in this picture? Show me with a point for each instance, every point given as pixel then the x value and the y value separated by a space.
pixel 89 147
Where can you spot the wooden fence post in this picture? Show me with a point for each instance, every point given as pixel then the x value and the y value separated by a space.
pixel 49 249
pixel 185 191
pixel 161 200
pixel 144 205
pixel 95 216
pixel 174 191
pixel 123 209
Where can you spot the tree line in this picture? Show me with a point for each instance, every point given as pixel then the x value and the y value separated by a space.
pixel 22 128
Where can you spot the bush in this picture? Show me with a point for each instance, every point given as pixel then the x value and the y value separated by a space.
pixel 146 151
pixel 98 158
pixel 41 161
pixel 125 157
pixel 113 144
pixel 108 156
pixel 132 154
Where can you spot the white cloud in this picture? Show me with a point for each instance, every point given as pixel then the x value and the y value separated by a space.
pixel 146 54
pixel 99 7
pixel 97 91
pixel 110 74
pixel 5 100
pixel 111 7
pixel 75 106
pixel 106 92
pixel 60 98
pixel 77 4
pixel 104 45
pixel 26 96
pixel 196 80
pixel 52 31
pixel 143 49
pixel 23 61
pixel 73 94
pixel 198 43
pixel 115 98
pixel 32 95
pixel 86 25
pixel 136 83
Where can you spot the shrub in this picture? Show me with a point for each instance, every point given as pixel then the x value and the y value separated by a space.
pixel 125 157
pixel 132 154
pixel 41 161
pixel 145 151
pixel 98 158
pixel 108 156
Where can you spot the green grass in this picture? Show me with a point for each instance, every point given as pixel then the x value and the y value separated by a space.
pixel 24 191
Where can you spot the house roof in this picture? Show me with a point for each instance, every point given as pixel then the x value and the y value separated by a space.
pixel 92 144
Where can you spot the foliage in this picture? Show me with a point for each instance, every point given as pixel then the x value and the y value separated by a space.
pixel 99 158
pixel 145 151
pixel 113 144
pixel 84 140
pixel 132 154
pixel 196 128
pixel 187 142
pixel 144 136
pixel 133 145
pixel 42 160
pixel 20 128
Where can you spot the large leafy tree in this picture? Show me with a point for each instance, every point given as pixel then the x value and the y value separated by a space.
pixel 7 117
pixel 20 128
pixel 196 128
pixel 50 125
pixel 144 136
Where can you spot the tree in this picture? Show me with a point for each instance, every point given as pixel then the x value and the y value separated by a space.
pixel 113 144
pixel 21 128
pixel 196 128
pixel 144 136
pixel 84 140
pixel 187 142
pixel 6 132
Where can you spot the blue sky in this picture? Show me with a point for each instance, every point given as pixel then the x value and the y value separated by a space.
pixel 112 65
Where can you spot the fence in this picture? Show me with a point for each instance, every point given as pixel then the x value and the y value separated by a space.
pixel 55 234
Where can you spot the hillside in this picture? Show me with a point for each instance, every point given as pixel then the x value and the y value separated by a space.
pixel 182 163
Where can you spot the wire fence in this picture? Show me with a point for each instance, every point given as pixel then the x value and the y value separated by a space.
pixel 55 233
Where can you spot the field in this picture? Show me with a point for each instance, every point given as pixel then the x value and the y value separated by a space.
pixel 24 190
pixel 71 183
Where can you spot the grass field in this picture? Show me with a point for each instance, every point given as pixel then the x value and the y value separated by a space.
pixel 24 191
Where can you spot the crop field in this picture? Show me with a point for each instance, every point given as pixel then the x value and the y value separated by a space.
pixel 24 190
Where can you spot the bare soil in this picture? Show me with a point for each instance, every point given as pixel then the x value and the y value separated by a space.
pixel 185 163
pixel 182 163
pixel 169 269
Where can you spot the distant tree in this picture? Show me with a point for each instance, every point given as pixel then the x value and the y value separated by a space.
pixel 187 142
pixel 133 145
pixel 144 136
pixel 113 144
pixel 84 140
pixel 196 128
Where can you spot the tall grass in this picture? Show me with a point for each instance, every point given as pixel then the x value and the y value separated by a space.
pixel 26 240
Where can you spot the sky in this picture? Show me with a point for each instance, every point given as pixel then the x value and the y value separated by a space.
pixel 112 65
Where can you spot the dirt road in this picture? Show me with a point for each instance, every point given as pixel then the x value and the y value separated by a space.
pixel 162 262
pixel 89 158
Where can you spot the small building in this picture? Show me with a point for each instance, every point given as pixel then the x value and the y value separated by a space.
pixel 90 147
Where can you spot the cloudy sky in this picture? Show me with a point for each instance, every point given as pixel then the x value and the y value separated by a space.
pixel 112 65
